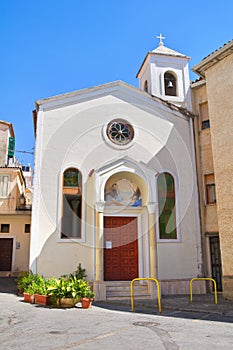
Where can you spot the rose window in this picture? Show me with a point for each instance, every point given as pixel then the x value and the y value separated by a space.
pixel 120 132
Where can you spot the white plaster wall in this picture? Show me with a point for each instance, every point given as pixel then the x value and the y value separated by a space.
pixel 145 75
pixel 159 66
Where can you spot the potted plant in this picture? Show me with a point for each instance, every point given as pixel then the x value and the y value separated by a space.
pixel 28 295
pixel 65 291
pixel 22 281
pixel 24 284
pixel 86 294
pixel 87 299
pixel 40 286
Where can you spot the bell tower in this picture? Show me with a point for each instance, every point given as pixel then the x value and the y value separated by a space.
pixel 165 73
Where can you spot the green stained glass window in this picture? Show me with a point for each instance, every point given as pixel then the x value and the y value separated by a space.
pixel 71 178
pixel 167 214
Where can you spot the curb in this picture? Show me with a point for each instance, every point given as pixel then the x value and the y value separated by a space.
pixel 166 308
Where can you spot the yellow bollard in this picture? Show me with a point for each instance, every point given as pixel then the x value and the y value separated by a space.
pixel 146 279
pixel 203 279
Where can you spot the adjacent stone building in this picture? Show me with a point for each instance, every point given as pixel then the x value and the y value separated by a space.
pixel 7 142
pixel 15 213
pixel 212 101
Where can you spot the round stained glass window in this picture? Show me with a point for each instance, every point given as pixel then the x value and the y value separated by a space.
pixel 120 132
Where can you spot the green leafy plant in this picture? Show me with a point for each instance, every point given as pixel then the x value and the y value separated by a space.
pixel 89 294
pixel 25 282
pixel 80 273
pixel 70 288
pixel 85 290
pixel 40 285
pixel 73 286
pixel 64 288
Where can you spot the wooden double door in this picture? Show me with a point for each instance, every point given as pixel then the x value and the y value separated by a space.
pixel 120 248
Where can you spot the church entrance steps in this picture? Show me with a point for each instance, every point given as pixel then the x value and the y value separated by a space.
pixel 121 290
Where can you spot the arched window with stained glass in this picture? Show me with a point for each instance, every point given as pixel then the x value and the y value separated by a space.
pixel 167 208
pixel 72 204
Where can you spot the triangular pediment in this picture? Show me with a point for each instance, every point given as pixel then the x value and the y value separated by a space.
pixel 139 173
pixel 163 50
pixel 124 164
pixel 118 88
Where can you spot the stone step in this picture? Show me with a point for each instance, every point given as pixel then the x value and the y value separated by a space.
pixel 121 289
pixel 127 292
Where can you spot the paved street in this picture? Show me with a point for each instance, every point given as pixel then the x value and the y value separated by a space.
pixel 24 326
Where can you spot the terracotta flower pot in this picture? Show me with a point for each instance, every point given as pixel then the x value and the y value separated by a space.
pixel 67 302
pixel 86 302
pixel 29 298
pixel 42 299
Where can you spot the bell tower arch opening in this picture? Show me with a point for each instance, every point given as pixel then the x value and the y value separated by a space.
pixel 164 73
pixel 170 84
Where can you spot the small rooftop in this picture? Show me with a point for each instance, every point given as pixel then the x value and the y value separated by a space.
pixel 162 50
pixel 7 125
pixel 213 58
pixel 220 48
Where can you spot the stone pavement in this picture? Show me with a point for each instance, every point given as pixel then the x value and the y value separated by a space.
pixel 8 285
pixel 204 304
pixel 31 326
pixel 113 326
pixel 201 304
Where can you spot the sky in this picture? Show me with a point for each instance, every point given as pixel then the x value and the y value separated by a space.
pixel 50 47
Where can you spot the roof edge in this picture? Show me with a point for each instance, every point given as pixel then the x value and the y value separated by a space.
pixel 161 54
pixel 10 125
pixel 198 83
pixel 213 58
pixel 113 86
pixel 79 92
pixel 18 169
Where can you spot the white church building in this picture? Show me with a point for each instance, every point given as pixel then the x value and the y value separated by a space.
pixel 115 185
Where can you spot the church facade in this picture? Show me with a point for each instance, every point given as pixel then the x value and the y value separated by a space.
pixel 115 185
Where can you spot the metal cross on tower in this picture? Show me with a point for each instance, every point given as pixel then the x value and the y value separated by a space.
pixel 160 37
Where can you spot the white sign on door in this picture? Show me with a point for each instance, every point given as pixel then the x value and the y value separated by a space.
pixel 108 245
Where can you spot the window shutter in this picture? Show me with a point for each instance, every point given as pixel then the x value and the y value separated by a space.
pixel 11 147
